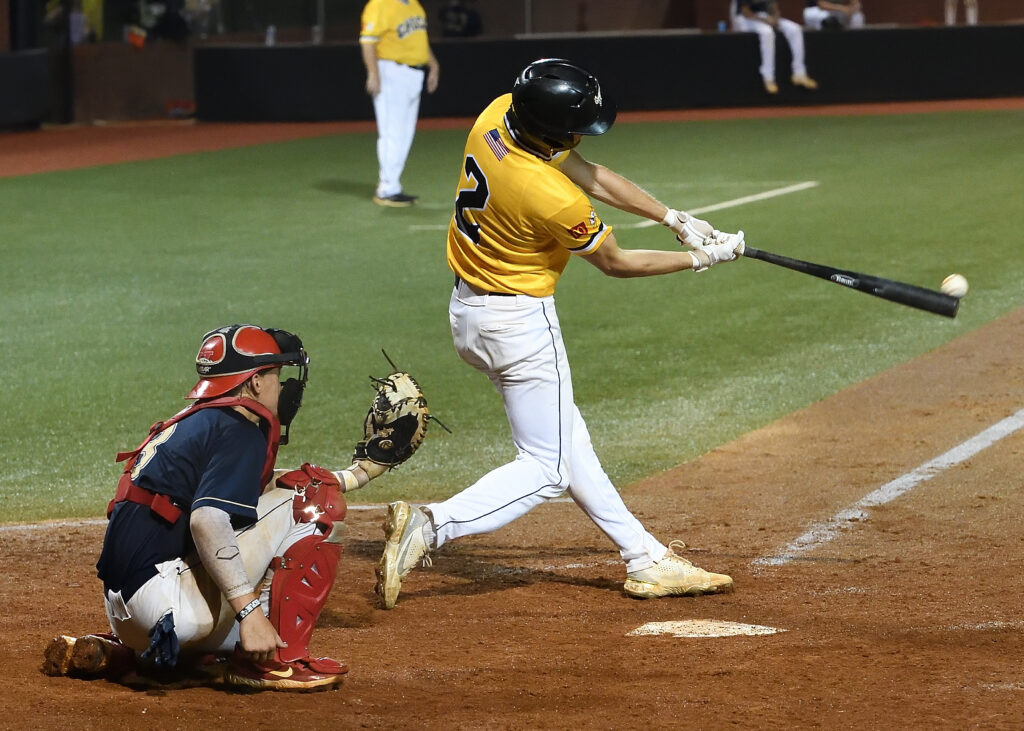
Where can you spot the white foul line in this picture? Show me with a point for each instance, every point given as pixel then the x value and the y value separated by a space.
pixel 774 193
pixel 821 533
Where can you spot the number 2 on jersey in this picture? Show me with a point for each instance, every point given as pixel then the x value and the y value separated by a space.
pixel 474 199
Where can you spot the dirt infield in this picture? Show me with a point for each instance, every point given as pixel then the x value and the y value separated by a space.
pixel 911 617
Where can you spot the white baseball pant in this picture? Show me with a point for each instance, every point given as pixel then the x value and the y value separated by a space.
pixel 517 342
pixel 396 108
pixel 793 33
pixel 203 619
pixel 814 17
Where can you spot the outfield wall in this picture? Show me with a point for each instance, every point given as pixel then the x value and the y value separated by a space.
pixel 657 70
pixel 24 87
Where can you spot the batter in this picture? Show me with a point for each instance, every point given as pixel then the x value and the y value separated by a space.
pixel 521 211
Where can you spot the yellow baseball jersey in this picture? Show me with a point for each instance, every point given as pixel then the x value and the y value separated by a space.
pixel 399 28
pixel 518 218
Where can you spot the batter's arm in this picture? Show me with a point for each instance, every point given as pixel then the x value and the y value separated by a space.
pixel 626 263
pixel 609 187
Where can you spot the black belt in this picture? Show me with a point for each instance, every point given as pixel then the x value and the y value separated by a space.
pixel 421 67
pixel 459 280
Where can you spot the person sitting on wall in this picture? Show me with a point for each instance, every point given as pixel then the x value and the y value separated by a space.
pixel 833 14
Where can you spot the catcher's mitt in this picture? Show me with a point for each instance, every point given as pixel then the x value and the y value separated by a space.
pixel 396 423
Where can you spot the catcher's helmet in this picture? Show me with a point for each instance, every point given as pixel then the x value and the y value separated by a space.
pixel 554 101
pixel 230 355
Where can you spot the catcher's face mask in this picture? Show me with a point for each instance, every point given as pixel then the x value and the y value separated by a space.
pixel 292 353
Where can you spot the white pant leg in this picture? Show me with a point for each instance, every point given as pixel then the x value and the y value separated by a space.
pixel 517 342
pixel 396 109
pixel 794 35
pixel 971 11
pixel 203 620
pixel 766 39
pixel 591 489
pixel 814 17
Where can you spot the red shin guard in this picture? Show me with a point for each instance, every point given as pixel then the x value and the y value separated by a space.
pixel 303 578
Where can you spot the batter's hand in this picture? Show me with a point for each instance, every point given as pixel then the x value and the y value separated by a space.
pixel 373 85
pixel 727 249
pixel 689 230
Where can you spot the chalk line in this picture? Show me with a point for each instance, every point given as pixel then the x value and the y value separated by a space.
pixel 821 533
pixel 765 195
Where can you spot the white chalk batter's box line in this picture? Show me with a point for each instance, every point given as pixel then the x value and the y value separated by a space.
pixel 821 533
pixel 765 195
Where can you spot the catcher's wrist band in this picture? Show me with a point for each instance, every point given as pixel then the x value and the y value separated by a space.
pixel 348 479
pixel 247 610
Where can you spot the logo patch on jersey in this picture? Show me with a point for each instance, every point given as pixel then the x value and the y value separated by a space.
pixel 493 140
pixel 410 26
pixel 579 230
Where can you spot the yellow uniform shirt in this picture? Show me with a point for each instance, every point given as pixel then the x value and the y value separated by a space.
pixel 399 28
pixel 517 218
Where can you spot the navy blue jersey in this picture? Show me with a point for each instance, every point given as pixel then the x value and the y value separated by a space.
pixel 214 457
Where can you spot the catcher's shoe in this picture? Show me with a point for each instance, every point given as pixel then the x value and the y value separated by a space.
pixel 88 656
pixel 405 545
pixel 675 576
pixel 303 676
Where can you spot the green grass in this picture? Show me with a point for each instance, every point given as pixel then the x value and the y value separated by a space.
pixel 113 274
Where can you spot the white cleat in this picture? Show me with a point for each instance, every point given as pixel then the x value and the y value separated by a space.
pixel 405 546
pixel 675 576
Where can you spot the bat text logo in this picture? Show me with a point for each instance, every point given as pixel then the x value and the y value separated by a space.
pixel 844 280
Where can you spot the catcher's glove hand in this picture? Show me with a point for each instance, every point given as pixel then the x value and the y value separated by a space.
pixel 396 423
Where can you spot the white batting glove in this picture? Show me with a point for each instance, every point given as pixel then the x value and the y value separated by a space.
pixel 689 231
pixel 735 240
pixel 728 249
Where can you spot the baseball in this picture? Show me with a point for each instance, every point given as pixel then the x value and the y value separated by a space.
pixel 955 285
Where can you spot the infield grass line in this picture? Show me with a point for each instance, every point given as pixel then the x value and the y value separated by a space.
pixel 765 195
pixel 821 533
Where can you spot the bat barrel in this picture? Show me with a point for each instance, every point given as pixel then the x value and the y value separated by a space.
pixel 907 294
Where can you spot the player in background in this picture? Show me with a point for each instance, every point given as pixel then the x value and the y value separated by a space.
pixel 521 212
pixel 762 17
pixel 833 14
pixel 212 570
pixel 397 56
pixel 970 11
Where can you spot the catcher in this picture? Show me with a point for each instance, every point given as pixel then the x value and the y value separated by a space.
pixel 215 566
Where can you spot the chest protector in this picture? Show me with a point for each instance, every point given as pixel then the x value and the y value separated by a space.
pixel 161 504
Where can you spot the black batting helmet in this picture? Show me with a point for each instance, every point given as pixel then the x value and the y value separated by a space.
pixel 553 100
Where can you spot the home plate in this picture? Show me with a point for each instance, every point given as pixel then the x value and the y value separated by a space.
pixel 702 628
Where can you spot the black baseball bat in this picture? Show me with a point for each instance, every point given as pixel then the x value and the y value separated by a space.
pixel 906 294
